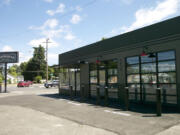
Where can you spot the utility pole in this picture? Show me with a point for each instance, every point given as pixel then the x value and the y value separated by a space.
pixel 47 41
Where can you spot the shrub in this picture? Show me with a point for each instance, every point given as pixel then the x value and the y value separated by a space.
pixel 38 79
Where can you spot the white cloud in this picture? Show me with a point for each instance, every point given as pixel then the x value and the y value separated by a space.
pixel 52 58
pixel 41 41
pixel 51 29
pixel 147 16
pixel 49 1
pixel 69 36
pixel 7 48
pixel 50 23
pixel 22 57
pixel 58 32
pixel 75 19
pixel 52 33
pixel 59 9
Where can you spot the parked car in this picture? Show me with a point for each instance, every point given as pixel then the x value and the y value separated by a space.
pixel 23 84
pixel 29 82
pixel 52 83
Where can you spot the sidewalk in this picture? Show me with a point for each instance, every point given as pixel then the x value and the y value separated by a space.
pixel 174 130
pixel 38 123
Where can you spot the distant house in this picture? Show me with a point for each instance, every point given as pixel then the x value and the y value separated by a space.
pixel 13 79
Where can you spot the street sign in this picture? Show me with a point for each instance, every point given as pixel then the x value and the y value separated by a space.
pixel 9 57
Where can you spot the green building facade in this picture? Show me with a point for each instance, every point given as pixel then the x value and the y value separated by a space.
pixel 142 60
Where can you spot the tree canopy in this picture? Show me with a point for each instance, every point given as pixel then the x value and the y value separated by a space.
pixel 36 66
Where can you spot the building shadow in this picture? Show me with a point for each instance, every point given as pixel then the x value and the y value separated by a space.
pixel 149 110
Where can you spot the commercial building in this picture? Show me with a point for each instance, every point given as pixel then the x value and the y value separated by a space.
pixel 142 60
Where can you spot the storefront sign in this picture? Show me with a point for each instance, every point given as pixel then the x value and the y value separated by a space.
pixel 9 57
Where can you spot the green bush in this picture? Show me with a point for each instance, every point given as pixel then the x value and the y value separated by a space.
pixel 9 81
pixel 38 79
pixel 1 78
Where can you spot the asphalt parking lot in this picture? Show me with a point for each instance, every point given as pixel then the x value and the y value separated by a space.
pixel 37 110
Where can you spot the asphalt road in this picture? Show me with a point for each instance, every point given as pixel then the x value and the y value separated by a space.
pixel 37 110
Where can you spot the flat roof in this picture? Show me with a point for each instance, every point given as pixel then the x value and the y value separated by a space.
pixel 153 32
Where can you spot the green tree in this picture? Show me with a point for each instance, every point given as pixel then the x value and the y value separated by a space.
pixel 103 38
pixel 13 70
pixel 50 72
pixel 38 79
pixel 36 66
pixel 1 78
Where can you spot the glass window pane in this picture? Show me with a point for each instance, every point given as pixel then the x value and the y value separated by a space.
pixel 133 78
pixel 168 89
pixel 149 78
pixel 166 55
pixel 102 65
pixel 112 71
pixel 166 66
pixel 149 88
pixel 149 92
pixel 167 77
pixel 93 73
pixel 78 81
pixel 112 79
pixel 93 66
pixel 102 77
pixel 64 79
pixel 148 59
pixel 93 90
pixel 148 68
pixel 133 69
pixel 169 93
pixel 72 78
pixel 132 60
pixel 112 63
pixel 150 98
pixel 134 90
pixel 93 79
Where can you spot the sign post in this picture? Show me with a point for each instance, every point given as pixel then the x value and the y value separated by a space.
pixel 8 57
pixel 5 82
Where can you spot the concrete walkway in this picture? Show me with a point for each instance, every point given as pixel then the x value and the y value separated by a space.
pixel 39 111
pixel 38 123
pixel 174 130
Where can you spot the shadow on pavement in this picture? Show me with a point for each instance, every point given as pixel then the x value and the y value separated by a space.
pixel 149 109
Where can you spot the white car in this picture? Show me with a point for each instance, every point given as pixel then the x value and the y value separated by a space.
pixel 52 83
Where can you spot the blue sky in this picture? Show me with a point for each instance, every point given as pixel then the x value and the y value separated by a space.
pixel 74 23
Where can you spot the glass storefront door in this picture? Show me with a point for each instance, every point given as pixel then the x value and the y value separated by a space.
pixel 104 74
pixel 144 74
pixel 102 81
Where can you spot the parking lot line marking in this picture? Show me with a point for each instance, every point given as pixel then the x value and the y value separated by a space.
pixel 119 113
pixel 73 103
